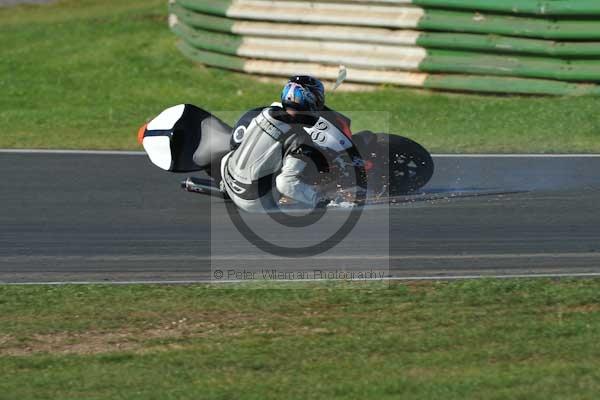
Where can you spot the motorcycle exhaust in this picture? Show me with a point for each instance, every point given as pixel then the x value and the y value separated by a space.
pixel 202 186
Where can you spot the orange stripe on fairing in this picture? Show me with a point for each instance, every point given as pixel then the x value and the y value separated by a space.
pixel 141 133
pixel 345 127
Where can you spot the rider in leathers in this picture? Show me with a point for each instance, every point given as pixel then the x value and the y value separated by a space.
pixel 276 157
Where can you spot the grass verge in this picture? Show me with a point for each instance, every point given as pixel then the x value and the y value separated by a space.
pixel 86 73
pixel 507 339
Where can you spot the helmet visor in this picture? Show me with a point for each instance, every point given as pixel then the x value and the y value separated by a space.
pixel 296 96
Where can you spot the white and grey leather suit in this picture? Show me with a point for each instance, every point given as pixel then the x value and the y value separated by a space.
pixel 270 162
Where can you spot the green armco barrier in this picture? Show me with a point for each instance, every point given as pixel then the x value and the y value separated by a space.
pixel 483 84
pixel 208 40
pixel 440 40
pixel 491 84
pixel 211 58
pixel 203 21
pixel 452 21
pixel 507 44
pixel 536 7
pixel 533 7
pixel 530 67
pixel 216 7
pixel 444 61
pixel 549 47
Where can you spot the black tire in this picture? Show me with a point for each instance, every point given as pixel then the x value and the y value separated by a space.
pixel 410 165
pixel 400 165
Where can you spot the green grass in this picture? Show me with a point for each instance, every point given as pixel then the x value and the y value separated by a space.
pixel 507 339
pixel 88 73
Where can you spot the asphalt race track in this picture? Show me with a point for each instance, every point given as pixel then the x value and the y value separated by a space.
pixel 69 217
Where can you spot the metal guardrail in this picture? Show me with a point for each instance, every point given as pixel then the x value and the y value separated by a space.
pixel 395 42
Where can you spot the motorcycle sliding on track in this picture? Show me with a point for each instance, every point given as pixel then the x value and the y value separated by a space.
pixel 186 138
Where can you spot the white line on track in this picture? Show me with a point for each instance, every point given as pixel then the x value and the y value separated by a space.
pixel 388 279
pixel 141 153
pixel 75 152
pixel 516 155
pixel 254 257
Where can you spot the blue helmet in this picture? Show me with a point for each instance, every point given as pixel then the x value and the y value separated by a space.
pixel 303 93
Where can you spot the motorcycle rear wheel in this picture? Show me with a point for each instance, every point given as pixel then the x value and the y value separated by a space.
pixel 410 166
pixel 400 165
